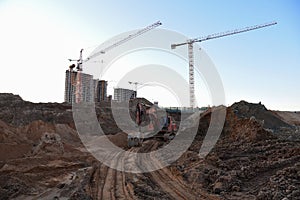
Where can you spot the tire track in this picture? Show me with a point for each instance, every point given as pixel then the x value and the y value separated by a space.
pixel 114 186
pixel 167 185
pixel 111 185
pixel 171 184
pixel 93 183
pixel 120 180
pixel 108 183
pixel 103 171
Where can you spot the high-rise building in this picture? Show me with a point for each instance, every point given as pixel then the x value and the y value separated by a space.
pixel 70 86
pixel 92 90
pixel 101 91
pixel 122 94
pixel 88 87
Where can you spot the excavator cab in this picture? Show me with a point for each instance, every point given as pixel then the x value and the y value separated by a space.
pixel 169 128
pixel 151 125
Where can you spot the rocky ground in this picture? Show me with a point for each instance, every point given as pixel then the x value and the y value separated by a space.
pixel 41 157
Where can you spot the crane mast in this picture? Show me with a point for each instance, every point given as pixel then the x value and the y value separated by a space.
pixel 190 43
pixel 78 93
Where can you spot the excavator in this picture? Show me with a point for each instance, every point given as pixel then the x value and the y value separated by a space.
pixel 153 123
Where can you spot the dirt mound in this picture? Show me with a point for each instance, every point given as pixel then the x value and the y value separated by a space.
pixel 22 141
pixel 12 187
pixel 245 159
pixel 244 109
pixel 249 130
pixel 244 129
pixel 284 184
pixel 16 112
pixel 292 118
pixel 49 143
pixel 9 98
pixel 13 144
pixel 119 139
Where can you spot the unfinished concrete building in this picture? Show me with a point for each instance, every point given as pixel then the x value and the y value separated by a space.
pixel 92 90
pixel 101 91
pixel 70 86
pixel 122 94
pixel 87 87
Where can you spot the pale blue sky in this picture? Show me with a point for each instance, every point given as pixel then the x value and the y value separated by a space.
pixel 37 38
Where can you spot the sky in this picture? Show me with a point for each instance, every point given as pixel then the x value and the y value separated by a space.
pixel 38 37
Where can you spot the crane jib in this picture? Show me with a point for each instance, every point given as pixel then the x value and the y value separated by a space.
pixel 129 37
pixel 209 37
pixel 223 34
pixel 236 31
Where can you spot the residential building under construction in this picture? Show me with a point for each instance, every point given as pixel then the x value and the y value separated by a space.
pixel 101 91
pixel 92 90
pixel 122 94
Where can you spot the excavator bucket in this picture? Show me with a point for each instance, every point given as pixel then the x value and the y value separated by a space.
pixel 134 141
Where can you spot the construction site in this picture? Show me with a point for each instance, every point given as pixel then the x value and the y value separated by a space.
pixel 44 156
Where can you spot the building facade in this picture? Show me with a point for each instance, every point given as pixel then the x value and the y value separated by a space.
pixel 92 90
pixel 122 94
pixel 101 91
pixel 70 86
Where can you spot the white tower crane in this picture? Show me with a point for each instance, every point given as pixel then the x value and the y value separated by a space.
pixel 78 92
pixel 190 43
pixel 104 50
pixel 135 84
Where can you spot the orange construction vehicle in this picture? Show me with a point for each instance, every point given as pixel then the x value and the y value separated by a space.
pixel 153 122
